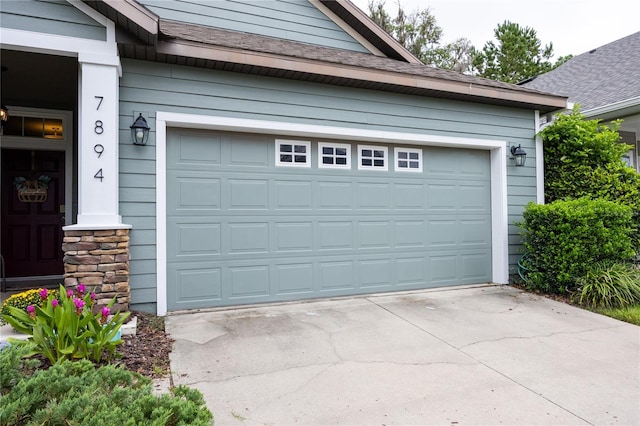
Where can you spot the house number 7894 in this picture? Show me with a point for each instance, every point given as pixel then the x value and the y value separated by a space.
pixel 99 129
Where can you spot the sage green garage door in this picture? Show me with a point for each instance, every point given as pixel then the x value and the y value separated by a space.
pixel 258 218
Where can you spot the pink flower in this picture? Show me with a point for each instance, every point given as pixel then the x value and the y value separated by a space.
pixel 69 293
pixel 93 297
pixel 31 310
pixel 43 293
pixel 81 289
pixel 79 305
pixel 55 303
pixel 105 312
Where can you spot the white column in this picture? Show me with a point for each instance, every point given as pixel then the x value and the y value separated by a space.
pixel 98 147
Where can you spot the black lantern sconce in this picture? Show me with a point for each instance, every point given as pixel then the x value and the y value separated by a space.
pixel 519 154
pixel 140 131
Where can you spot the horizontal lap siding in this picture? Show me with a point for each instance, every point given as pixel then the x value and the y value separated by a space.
pixel 148 88
pixel 50 16
pixel 296 20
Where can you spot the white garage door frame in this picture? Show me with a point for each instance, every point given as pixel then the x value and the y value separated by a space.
pixel 497 149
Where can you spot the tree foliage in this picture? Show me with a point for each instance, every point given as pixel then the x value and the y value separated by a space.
pixel 516 55
pixel 418 31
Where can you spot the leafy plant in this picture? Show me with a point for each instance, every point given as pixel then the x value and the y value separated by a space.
pixel 583 158
pixel 74 393
pixel 23 299
pixel 66 327
pixel 564 238
pixel 609 285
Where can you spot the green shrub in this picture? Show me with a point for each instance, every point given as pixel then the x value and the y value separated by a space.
pixel 564 238
pixel 609 285
pixel 22 300
pixel 583 158
pixel 65 327
pixel 76 393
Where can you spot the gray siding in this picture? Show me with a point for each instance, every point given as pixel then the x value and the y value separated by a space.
pixel 56 17
pixel 148 88
pixel 296 20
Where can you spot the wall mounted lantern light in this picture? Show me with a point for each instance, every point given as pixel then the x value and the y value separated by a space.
pixel 519 154
pixel 140 131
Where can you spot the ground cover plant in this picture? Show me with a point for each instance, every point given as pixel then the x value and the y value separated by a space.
pixel 78 393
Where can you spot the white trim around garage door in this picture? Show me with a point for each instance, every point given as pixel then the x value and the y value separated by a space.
pixel 497 149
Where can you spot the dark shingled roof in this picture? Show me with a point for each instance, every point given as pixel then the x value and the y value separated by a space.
pixel 602 76
pixel 256 43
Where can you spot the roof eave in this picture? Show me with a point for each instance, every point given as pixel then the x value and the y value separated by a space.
pixel 448 88
pixel 361 22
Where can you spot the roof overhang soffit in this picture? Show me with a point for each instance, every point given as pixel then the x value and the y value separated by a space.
pixel 447 88
pixel 130 17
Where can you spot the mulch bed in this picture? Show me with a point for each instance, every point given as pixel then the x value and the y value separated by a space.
pixel 146 352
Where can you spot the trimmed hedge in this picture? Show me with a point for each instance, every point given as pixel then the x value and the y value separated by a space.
pixel 564 238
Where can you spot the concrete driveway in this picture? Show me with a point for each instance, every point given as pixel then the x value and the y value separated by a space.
pixel 472 355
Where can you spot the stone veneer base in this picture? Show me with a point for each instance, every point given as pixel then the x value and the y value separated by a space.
pixel 99 259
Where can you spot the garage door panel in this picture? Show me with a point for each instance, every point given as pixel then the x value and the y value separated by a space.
pixel 247 194
pixel 374 234
pixel 337 274
pixel 196 283
pixel 473 265
pixel 248 281
pixel 409 196
pixel 194 150
pixel 375 274
pixel 248 237
pixel 335 235
pixel 475 233
pixel 473 197
pixel 410 271
pixel 294 278
pixel 193 239
pixel 293 195
pixel 241 230
pixel 253 152
pixel 410 234
pixel 374 196
pixel 332 195
pixel 293 237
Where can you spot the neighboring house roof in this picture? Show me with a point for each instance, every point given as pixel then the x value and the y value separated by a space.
pixel 149 37
pixel 607 75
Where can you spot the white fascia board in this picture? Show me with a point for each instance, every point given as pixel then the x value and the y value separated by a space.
pixel 633 103
pixel 99 52
pixel 347 28
pixel 497 148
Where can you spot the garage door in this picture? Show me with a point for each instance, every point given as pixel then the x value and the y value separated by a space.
pixel 261 218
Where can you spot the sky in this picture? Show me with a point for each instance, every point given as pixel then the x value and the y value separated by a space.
pixel 573 26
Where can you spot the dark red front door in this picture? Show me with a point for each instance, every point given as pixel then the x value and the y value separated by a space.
pixel 32 231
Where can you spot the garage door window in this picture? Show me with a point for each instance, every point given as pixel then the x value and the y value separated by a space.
pixel 408 160
pixel 334 156
pixel 372 157
pixel 293 153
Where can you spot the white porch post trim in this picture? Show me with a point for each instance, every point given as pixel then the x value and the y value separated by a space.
pixel 98 76
pixel 497 148
pixel 539 161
